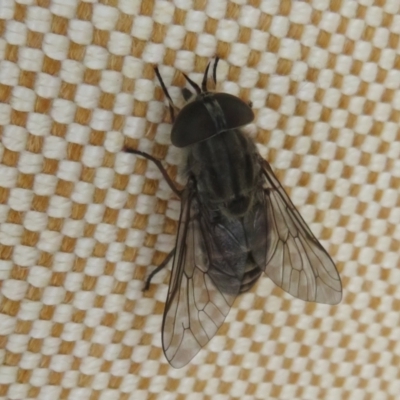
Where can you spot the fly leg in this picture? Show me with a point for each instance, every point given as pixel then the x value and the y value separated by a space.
pixel 164 173
pixel 158 269
pixel 175 190
pixel 160 167
pixel 164 88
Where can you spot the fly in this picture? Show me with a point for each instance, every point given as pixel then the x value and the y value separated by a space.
pixel 236 223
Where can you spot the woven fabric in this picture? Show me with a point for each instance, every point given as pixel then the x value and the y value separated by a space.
pixel 83 223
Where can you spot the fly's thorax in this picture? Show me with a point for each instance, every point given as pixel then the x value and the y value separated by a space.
pixel 226 171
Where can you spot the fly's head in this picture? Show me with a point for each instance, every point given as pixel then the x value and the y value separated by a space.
pixel 206 113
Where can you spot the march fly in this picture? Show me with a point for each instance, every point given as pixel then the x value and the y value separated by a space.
pixel 236 222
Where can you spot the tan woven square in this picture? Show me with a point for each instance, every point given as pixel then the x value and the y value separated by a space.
pixel 83 223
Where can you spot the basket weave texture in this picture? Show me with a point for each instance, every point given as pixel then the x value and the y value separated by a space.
pixel 83 223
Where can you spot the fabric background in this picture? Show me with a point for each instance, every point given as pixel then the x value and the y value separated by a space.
pixel 82 223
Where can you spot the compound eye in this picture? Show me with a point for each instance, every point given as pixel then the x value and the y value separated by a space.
pixel 193 124
pixel 196 122
pixel 237 113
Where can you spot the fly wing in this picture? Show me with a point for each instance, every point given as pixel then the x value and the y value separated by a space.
pixel 206 276
pixel 295 260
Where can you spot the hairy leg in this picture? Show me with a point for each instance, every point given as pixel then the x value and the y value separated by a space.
pixel 175 190
pixel 160 167
pixel 158 269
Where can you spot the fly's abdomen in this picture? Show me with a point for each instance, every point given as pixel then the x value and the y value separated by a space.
pixel 251 274
pixel 225 168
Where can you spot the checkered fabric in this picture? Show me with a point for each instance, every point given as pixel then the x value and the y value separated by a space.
pixel 83 223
